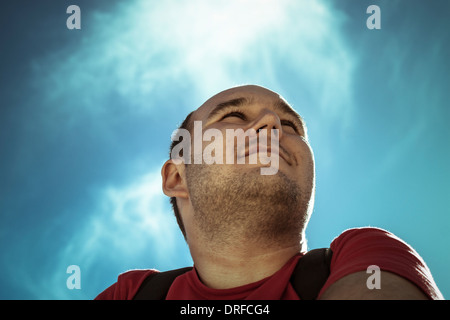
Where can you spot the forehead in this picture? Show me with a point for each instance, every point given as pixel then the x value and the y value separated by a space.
pixel 256 94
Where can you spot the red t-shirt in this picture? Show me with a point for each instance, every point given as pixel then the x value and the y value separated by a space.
pixel 354 250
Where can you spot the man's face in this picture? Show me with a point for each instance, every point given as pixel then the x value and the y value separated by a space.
pixel 231 200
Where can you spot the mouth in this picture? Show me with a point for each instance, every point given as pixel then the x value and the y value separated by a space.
pixel 269 150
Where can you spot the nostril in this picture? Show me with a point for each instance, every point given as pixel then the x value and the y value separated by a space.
pixel 275 132
pixel 257 131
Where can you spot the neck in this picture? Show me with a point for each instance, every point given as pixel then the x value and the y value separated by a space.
pixel 233 266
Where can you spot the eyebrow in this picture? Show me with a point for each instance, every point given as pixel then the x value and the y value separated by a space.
pixel 284 107
pixel 280 105
pixel 239 102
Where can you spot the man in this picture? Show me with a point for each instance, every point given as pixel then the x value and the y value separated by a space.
pixel 246 230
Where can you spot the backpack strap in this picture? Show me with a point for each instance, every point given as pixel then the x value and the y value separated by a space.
pixel 156 286
pixel 308 278
pixel 311 273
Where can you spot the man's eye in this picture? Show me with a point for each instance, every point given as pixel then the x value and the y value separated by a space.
pixel 290 124
pixel 237 114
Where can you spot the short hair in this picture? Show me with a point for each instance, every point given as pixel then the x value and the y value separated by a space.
pixel 186 124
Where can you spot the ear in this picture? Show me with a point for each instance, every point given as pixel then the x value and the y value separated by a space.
pixel 173 184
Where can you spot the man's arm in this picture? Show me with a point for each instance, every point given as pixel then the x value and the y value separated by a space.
pixel 402 273
pixel 354 287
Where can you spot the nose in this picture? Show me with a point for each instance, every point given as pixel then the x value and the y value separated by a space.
pixel 268 120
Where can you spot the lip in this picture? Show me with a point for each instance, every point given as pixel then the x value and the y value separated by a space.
pixel 282 154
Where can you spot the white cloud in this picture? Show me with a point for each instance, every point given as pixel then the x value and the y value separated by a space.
pixel 132 227
pixel 139 212
pixel 145 49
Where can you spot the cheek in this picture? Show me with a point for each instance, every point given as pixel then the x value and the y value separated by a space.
pixel 304 159
pixel 310 155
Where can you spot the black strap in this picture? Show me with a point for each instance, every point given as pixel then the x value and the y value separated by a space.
pixel 308 277
pixel 311 273
pixel 156 286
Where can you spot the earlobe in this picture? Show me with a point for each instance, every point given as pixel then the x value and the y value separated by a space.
pixel 173 184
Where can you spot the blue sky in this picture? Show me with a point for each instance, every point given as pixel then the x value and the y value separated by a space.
pixel 86 118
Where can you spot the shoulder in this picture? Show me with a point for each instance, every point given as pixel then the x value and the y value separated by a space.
pixel 126 286
pixel 366 234
pixel 375 244
pixel 359 252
